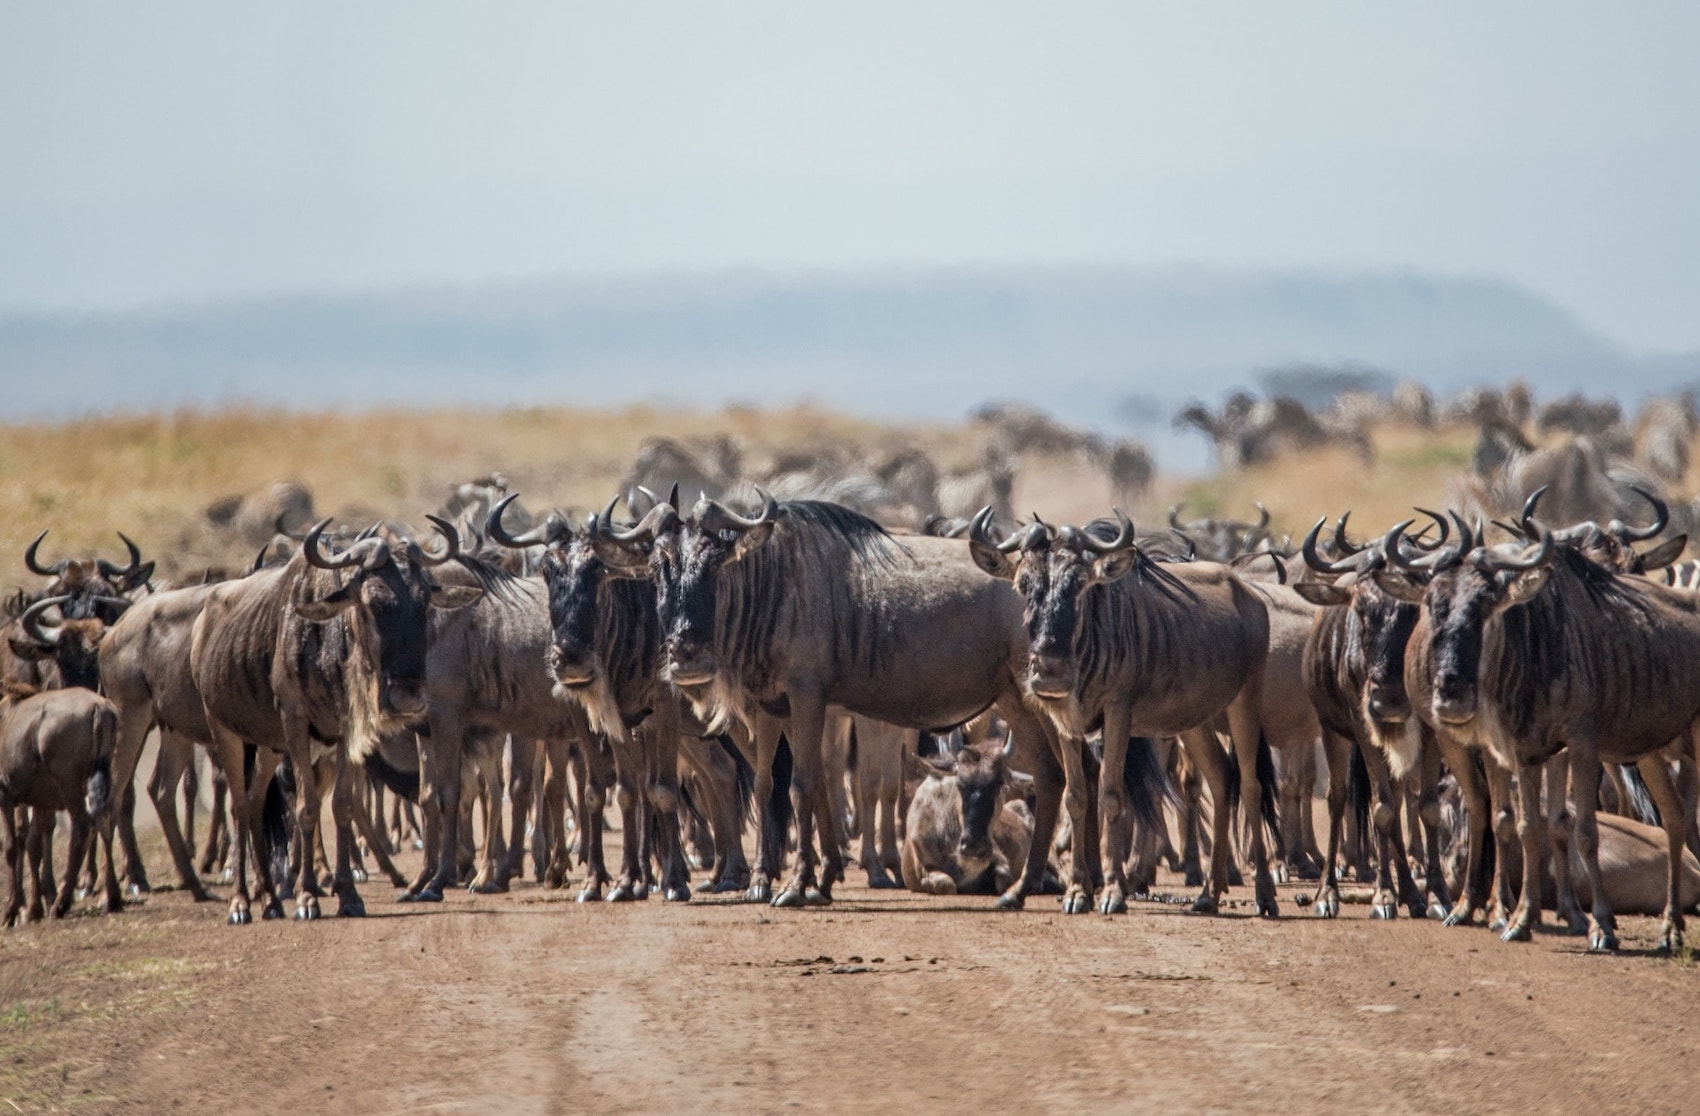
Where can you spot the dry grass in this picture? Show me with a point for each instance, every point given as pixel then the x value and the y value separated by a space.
pixel 153 476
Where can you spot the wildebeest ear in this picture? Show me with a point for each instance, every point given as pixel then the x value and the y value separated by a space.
pixel 749 540
pixel 919 766
pixel 990 559
pixel 1396 584
pixel 1111 566
pixel 326 607
pixel 1323 593
pixel 29 649
pixel 1527 584
pixel 1665 553
pixel 451 597
pixel 1020 782
pixel 623 559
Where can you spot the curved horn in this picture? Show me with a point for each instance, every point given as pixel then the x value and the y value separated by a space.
pixel 673 496
pixel 1529 505
pixel 35 566
pixel 1467 540
pixel 119 603
pixel 1123 538
pixel 736 522
pixel 451 542
pixel 980 531
pixel 1315 560
pixel 318 559
pixel 259 562
pixel 1262 514
pixel 279 529
pixel 113 572
pixel 1342 545
pixel 1661 519
pixel 1391 549
pixel 30 621
pixel 1191 546
pixel 493 527
pixel 1538 557
pixel 1175 515
pixel 645 530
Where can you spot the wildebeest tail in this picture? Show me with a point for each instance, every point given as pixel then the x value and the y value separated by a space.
pixel 1640 803
pixel 1358 789
pixel 404 783
pixel 779 810
pixel 1271 791
pixel 743 779
pixel 1146 784
pixel 97 790
pixel 274 818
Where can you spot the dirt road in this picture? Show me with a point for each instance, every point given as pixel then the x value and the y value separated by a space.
pixel 532 1003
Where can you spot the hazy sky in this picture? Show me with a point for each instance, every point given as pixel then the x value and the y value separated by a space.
pixel 166 151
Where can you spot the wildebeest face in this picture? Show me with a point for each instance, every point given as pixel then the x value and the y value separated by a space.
pixel 706 545
pixel 1386 623
pixel 73 644
pixel 393 598
pixel 574 574
pixel 1052 578
pixel 980 781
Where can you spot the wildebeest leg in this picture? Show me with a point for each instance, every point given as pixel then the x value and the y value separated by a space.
pixel 552 811
pixel 1674 815
pixel 1472 893
pixel 307 809
pixel 176 757
pixel 344 808
pixel 440 756
pixel 770 839
pixel 216 853
pixel 370 831
pixel 522 765
pixel 1192 821
pixel 1204 753
pixel 1531 832
pixel 191 798
pixel 626 795
pixel 596 779
pixel 1428 812
pixel 227 751
pixel 1560 830
pixel 1602 925
pixel 1338 749
pixel 1246 727
pixel 658 747
pixel 1390 843
pixel 40 835
pixel 1502 791
pixel 1115 817
pixel 74 854
pixel 133 725
pixel 717 776
pixel 1167 759
pixel 889 794
pixel 14 865
pixel 806 730
pixel 1077 897
pixel 1036 751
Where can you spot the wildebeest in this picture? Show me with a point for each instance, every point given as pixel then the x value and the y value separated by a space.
pixel 56 754
pixel 1137 648
pixel 326 651
pixel 967 831
pixel 1541 649
pixel 254 517
pixel 808 605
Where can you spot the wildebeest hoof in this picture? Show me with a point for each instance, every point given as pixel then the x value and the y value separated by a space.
pixel 589 894
pixel 1011 901
pixel 817 897
pixel 883 882
pixel 1576 923
pixel 1517 932
pixel 759 892
pixel 307 910
pixel 1204 904
pixel 1113 902
pixel 227 876
pixel 1457 916
pixel 1076 902
pixel 1327 905
pixel 359 874
pixel 1604 941
pixel 1436 911
pixel 489 887
pixel 1386 912
pixel 676 894
pixel 1496 924
pixel 1268 908
pixel 622 893
pixel 239 916
pixel 139 887
pixel 423 895
pixel 724 887
pixel 790 897
pixel 1280 873
pixel 352 909
pixel 84 893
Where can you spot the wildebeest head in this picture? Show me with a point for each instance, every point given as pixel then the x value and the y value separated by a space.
pixel 90 586
pixel 1467 584
pixel 711 538
pixel 1053 572
pixel 574 571
pixel 73 645
pixel 386 590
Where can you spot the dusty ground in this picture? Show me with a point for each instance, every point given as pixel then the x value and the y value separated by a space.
pixel 532 1003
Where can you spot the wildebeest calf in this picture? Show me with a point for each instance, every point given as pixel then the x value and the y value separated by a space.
pixel 965 830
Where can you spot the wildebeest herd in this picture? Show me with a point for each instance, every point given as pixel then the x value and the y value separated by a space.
pixel 980 705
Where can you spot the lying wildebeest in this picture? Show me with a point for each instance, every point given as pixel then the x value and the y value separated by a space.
pixel 324 651
pixel 968 830
pixel 809 605
pixel 56 754
pixel 1531 651
pixel 1121 642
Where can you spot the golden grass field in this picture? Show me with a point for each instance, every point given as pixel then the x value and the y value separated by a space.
pixel 153 476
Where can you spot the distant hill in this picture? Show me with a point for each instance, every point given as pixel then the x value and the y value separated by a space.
pixel 1113 349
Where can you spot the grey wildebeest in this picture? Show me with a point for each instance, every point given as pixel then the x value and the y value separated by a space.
pixel 772 619
pixel 966 832
pixel 1530 651
pixel 55 754
pixel 1137 648
pixel 326 651
pixel 1354 670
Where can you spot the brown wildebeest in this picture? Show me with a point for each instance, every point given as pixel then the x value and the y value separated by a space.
pixel 1539 650
pixel 903 631
pixel 56 754
pixel 968 831
pixel 1138 648
pixel 326 651
pixel 876 787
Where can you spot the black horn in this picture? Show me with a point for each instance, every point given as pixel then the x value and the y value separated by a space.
pixel 30 621
pixel 35 566
pixel 542 534
pixel 1123 538
pixel 451 542
pixel 1661 520
pixel 117 573
pixel 1315 560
